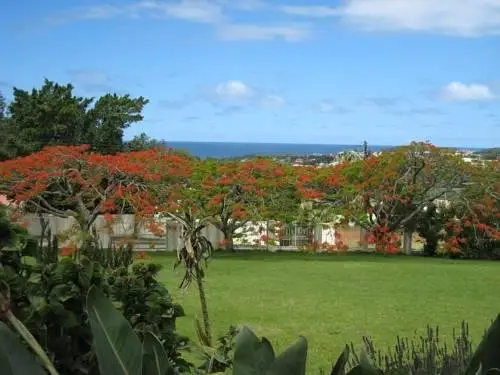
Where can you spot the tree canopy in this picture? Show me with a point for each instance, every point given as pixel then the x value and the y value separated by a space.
pixel 54 115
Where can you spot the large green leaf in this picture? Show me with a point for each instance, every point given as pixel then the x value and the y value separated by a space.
pixel 118 349
pixel 339 366
pixel 251 355
pixel 15 359
pixel 365 366
pixel 487 354
pixel 292 361
pixel 154 360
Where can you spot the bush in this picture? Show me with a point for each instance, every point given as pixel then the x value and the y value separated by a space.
pixel 423 355
pixel 48 294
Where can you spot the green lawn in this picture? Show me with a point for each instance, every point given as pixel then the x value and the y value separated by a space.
pixel 337 299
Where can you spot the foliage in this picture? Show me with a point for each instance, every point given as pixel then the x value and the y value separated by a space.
pixel 12 236
pixel 112 257
pixel 256 356
pixel 249 190
pixel 148 306
pixel 220 358
pixel 143 142
pixel 386 193
pixel 474 229
pixel 70 181
pixel 489 153
pixel 427 354
pixel 53 115
pixel 48 296
pixel 109 117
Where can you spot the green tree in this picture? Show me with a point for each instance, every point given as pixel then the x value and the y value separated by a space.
pixel 111 115
pixel 8 142
pixel 142 142
pixel 53 115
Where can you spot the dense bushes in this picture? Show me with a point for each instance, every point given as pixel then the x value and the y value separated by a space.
pixel 47 295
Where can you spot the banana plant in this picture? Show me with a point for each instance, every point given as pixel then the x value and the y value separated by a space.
pixel 118 349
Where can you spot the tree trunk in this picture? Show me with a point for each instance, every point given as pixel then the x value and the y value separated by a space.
pixel 407 241
pixel 204 306
pixel 228 240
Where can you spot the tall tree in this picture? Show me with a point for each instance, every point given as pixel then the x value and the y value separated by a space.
pixel 53 115
pixel 109 117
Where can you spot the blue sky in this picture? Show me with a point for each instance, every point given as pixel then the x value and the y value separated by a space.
pixel 298 71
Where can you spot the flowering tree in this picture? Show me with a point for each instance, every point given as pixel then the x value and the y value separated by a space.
pixel 70 181
pixel 385 194
pixel 243 191
pixel 323 201
pixel 473 228
pixel 392 190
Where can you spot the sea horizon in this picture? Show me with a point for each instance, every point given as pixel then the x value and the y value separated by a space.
pixel 240 149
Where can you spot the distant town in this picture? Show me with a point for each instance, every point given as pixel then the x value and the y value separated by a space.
pixel 334 158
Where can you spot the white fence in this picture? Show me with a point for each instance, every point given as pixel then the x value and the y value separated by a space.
pixel 126 227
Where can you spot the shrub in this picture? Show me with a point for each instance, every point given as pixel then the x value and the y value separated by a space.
pixel 423 355
pixel 48 294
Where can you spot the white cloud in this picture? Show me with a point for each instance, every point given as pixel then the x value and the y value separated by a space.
pixel 273 101
pixel 233 89
pixel 453 17
pixel 216 12
pixel 458 91
pixel 310 10
pixel 203 11
pixel 289 33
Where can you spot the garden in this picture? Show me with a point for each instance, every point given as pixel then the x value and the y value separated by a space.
pixel 70 304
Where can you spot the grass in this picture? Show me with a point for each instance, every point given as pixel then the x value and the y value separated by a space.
pixel 333 300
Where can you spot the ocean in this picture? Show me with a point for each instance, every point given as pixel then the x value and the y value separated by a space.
pixel 234 149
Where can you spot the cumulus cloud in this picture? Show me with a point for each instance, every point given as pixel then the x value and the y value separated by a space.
pixel 458 91
pixel 233 89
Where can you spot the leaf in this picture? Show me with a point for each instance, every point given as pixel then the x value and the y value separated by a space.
pixel 118 349
pixel 487 354
pixel 154 360
pixel 339 366
pixel 251 355
pixel 292 361
pixel 15 359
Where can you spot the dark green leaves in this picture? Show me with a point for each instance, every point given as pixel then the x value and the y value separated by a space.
pixel 15 359
pixel 154 360
pixel 118 349
pixel 252 356
pixel 487 354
